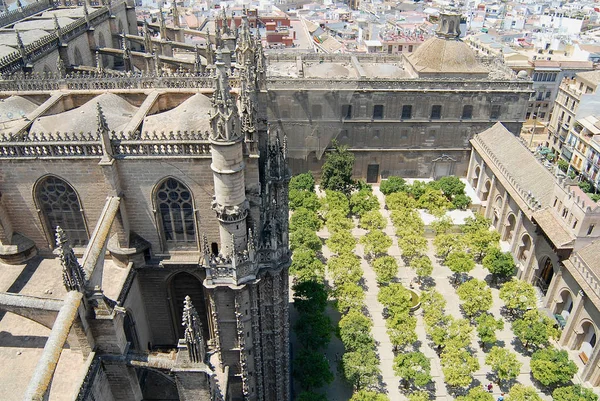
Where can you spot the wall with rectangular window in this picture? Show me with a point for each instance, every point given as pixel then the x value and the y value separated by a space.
pixel 378 112
pixel 467 112
pixel 495 112
pixel 406 112
pixel 347 111
pixel 436 112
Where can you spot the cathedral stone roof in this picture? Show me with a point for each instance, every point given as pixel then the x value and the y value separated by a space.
pixel 589 255
pixel 191 115
pixel 441 55
pixel 118 113
pixel 15 107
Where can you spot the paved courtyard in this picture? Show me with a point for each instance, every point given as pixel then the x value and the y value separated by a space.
pixel 339 390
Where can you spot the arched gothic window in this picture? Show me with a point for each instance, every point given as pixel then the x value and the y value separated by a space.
pixel 176 213
pixel 60 206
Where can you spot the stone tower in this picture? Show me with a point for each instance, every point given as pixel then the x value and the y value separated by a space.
pixel 248 280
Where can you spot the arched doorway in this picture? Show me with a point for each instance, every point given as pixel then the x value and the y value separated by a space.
pixel 475 179
pixel 131 332
pixel 509 232
pixel 157 385
pixel 181 285
pixel 546 272
pixel 524 248
pixel 588 341
pixel 565 306
pixel 486 190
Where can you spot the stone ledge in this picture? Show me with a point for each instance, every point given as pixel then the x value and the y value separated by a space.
pixel 21 250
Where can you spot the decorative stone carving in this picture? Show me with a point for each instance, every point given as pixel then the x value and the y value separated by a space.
pixel 193 332
pixel 72 272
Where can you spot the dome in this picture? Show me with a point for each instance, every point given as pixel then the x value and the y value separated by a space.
pixel 191 115
pixel 448 56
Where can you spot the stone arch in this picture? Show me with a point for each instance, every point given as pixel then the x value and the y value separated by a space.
pixel 180 285
pixel 475 179
pixel 545 273
pixel 509 231
pixel 451 26
pixel 77 57
pixel 524 248
pixel 564 303
pixel 130 330
pixel 101 44
pixel 175 214
pixel 487 187
pixel 156 385
pixel 47 70
pixel 587 337
pixel 497 210
pixel 59 205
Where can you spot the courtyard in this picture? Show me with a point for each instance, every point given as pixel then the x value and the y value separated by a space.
pixel 428 380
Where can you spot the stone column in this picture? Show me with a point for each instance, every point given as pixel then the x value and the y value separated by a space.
pixel 567 339
pixel 591 372
pixel 553 288
pixel 490 199
pixel 501 224
pixel 517 232
pixel 482 174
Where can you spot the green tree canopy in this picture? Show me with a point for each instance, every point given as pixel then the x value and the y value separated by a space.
pixel 345 268
pixel 392 184
pixel 477 223
pixel 487 326
pixel 504 364
pixel 518 295
pixel 363 201
pixel 434 201
pixel 422 266
pixel 395 298
pixel 376 242
pixel 355 331
pixel 399 201
pixel 442 225
pixel 304 218
pixel 366 395
pixel 461 202
pixel 499 263
pixel 476 296
pixel 337 221
pixel 413 367
pixel 417 189
pixel 535 329
pixel 305 265
pixel 459 262
pixel 574 393
pixel 336 173
pixel 401 329
pixel 552 367
pixel 305 237
pixel 372 220
pixel 446 243
pixel 519 392
pixel 305 199
pixel 412 246
pixel 313 330
pixel 311 369
pixel 341 242
pixel 361 369
pixel 451 186
pixel 335 202
pixel 349 296
pixel 480 241
pixel 310 297
pixel 302 182
pixel 458 366
pixel 310 396
pixel 419 396
pixel 476 394
pixel 386 268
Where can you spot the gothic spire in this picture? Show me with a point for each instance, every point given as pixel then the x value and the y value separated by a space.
pixel 175 14
pixel 224 114
pixel 197 61
pixel 147 38
pixel 210 56
pixel 99 63
pixel 72 272
pixel 60 67
pixel 162 23
pixel 104 134
pixel 193 332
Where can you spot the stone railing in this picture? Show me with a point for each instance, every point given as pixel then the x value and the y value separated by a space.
pixel 346 58
pixel 526 195
pixel 406 84
pixel 104 81
pixel 588 274
pixel 13 16
pixel 66 145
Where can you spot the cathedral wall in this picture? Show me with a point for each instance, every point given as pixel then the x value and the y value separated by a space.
pixel 47 63
pixel 101 388
pixel 312 118
pixel 17 180
pixel 80 47
pixel 134 303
